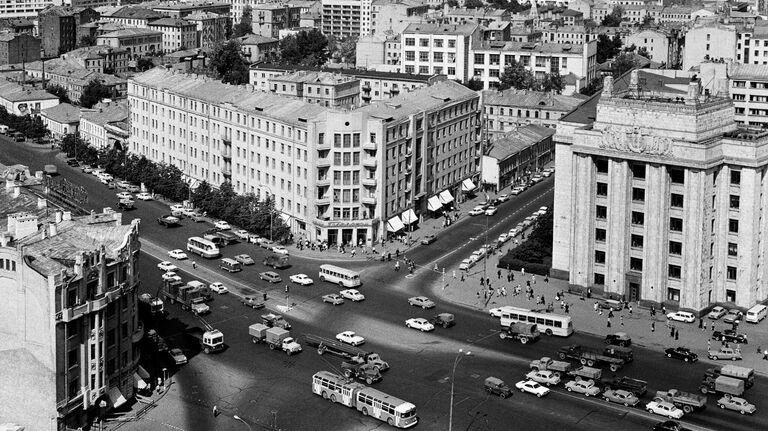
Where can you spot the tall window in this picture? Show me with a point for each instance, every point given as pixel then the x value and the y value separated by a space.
pixel 733 226
pixel 601 212
pixel 638 194
pixel 599 235
pixel 638 218
pixel 638 171
pixel 599 256
pixel 735 178
pixel 676 200
pixel 734 202
pixel 602 189
pixel 636 241
pixel 635 264
pixel 675 248
pixel 674 271
pixel 676 175
pixel 675 224
pixel 731 273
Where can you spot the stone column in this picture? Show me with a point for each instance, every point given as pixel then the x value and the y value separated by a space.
pixel 656 233
pixel 619 213
pixel 582 222
pixel 563 211
pixel 695 238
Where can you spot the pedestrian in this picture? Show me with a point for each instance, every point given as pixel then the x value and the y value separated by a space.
pixel 610 313
pixel 671 331
pixel 609 322
pixel 589 292
pixel 522 271
pixel 653 326
pixel 397 266
pixel 621 320
pixel 709 345
pixel 595 307
pixel 759 350
pixel 765 355
pixel 663 309
pixel 701 325
pixel 533 278
pixel 546 279
pixel 509 278
pixel 487 281
pixel 286 288
pixel 600 311
pixel 566 309
pixel 482 281
pixel 462 277
pixel 478 295
pixel 512 274
pixel 194 265
pixel 353 252
pixel 528 283
pixel 630 310
pixel 436 268
pixel 485 294
pixel 498 292
pixel 454 274
pixel 498 273
pixel 504 291
pixel 677 335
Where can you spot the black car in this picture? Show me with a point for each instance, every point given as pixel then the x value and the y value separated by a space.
pixel 730 336
pixel 73 162
pixel 683 353
pixel 669 426
pixel 445 320
pixel 618 339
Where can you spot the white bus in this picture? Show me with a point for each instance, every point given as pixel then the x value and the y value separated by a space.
pixel 341 276
pixel 335 388
pixel 548 323
pixel 203 247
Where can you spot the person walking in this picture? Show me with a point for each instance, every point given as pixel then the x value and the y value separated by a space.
pixel 630 311
pixel 653 326
pixel 498 273
pixel 533 278
pixel 677 335
pixel 621 320
pixel 454 274
pixel 462 276
pixel 609 322
pixel 566 309
pixel 709 345
pixel 522 271
pixel 546 279
pixel 397 266
pixel 194 265
pixel 595 307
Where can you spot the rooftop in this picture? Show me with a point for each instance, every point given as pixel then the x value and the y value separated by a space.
pixel 131 32
pixel 532 99
pixel 372 74
pixel 256 39
pixel 63 113
pixel 171 22
pixel 510 143
pixel 455 29
pixel 14 92
pixel 105 113
pixel 538 47
pixel 315 77
pixel 419 100
pixel 137 13
pixel 754 72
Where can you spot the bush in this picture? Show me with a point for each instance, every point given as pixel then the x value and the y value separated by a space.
pixel 534 254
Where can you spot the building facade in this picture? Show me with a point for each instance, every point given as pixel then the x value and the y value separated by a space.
pixel 439 49
pixel 105 125
pixel 178 33
pixel 24 8
pixel 270 18
pixel 23 100
pixel 138 41
pixel 61 120
pixel 211 28
pixel 60 29
pixel 324 88
pixel 712 41
pixel 748 85
pixel 18 48
pixel 258 48
pixel 394 16
pixel 344 18
pixel 506 110
pixel 512 157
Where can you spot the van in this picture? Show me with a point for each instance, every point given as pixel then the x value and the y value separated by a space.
pixel 230 265
pixel 611 304
pixel 756 313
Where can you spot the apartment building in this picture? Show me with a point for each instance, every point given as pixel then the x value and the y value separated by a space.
pixel 178 33
pixel 18 48
pixel 513 157
pixel 133 17
pixel 663 45
pixel 343 18
pixel 507 110
pixel 24 8
pixel 324 88
pixel 270 18
pixel 258 48
pixel 658 196
pixel 17 25
pixel 460 15
pixel 177 9
pixel 74 77
pixel 748 85
pixel 138 41
pixel 61 120
pixel 713 41
pixel 211 27
pixel 105 125
pixel 394 16
pixel 439 49
pixel 60 28
pixel 23 100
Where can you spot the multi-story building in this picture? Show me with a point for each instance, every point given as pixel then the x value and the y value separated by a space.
pixel 176 9
pixel 748 85
pixel 211 27
pixel 343 18
pixel 439 49
pixel 138 41
pixel 24 8
pixel 18 48
pixel 512 157
pixel 61 120
pixel 270 18
pixel 460 15
pixel 712 41
pixel 259 48
pixel 335 175
pixel 678 14
pixel 393 17
pixel 574 34
pixel 101 59
pixel 17 25
pixel 756 48
pixel 177 33
pixel 60 28
pixel 658 196
pixel 133 17
pixel 661 44
pixel 507 110
pixel 105 125
pixel 73 76
pixel 381 50
pixel 70 327
pixel 23 100
pixel 324 88
pixel 93 3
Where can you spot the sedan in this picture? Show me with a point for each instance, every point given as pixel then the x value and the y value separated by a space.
pixel 178 356
pixel 352 294
pixel 717 312
pixel 218 287
pixel 270 276
pixel 735 403
pixel 495 312
pixel 253 238
pixel 491 211
pixel 242 234
pixel 253 301
pixel 516 191
pixel 504 237
pixel 133 188
pixel 122 184
pixel 664 408
pixel 124 195
pixel 532 388
pixel 350 338
pixel 733 316
pixel 503 197
pixel 167 266
pixel 586 387
pixel 222 225
pixel 87 169
pixel 477 211
pixel 730 336
pixel 428 239
pixel 177 254
pixel 621 396
pixel 171 276
pixel 420 323
pixel 682 316
pixel 301 279
pixel 244 259
pixel 421 301
pixel 683 353
pixel 333 298
pixel 545 377
pixel 144 196
pixel 279 249
pixel 669 426
pixel 72 162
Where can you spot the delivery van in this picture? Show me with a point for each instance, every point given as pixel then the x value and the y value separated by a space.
pixel 756 313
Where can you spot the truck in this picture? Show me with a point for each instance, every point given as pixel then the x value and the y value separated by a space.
pixel 584 372
pixel 276 338
pixel 620 352
pixel 203 290
pixel 523 332
pixel 547 363
pixel 51 170
pixel 636 386
pixel 162 346
pixel 210 339
pixel 186 295
pixel 335 347
pixel 277 261
pixel 736 372
pixel 150 305
pixel 722 385
pixel 275 320
pixel 589 356
pixel 361 370
pixel 686 401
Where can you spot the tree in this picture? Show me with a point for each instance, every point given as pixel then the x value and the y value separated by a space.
pixel 648 21
pixel 452 3
pixel 228 63
pixel 307 48
pixel 474 4
pixel 553 82
pixel 623 63
pixel 644 52
pixel 607 48
pixel 86 40
pixel 595 85
pixel 245 26
pixel 589 24
pixel 144 63
pixel 347 50
pixel 516 76
pixel 474 84
pixel 73 146
pixel 614 18
pixel 93 92
pixel 58 91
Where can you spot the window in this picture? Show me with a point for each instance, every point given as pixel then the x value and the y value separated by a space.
pixel 733 226
pixel 452 43
pixel 479 58
pixel 673 294
pixel 602 189
pixel 438 43
pixel 674 271
pixel 638 194
pixel 734 202
pixel 409 41
pixel 438 56
pixel 676 200
pixel 599 235
pixel 601 165
pixel 599 279
pixel 423 70
pixel 733 249
pixel 423 56
pixel 636 241
pixel 731 273
pixel 675 248
pixel 638 171
pixel 675 224
pixel 638 218
pixel 72 358
pixel 635 264
pixel 410 55
pixel 735 178
pixel 599 256
pixel 601 212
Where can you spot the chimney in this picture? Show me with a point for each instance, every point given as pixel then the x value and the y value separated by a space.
pixel 693 92
pixel 634 83
pixel 607 87
pixel 9 184
pixel 4 239
pixel 67 215
pixel 41 203
pixel 16 191
pixel 52 229
pixel 58 216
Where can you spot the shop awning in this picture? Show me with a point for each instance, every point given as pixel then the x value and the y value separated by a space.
pixel 395 224
pixel 286 218
pixel 409 216
pixel 467 185
pixel 446 197
pixel 116 397
pixel 138 382
pixel 433 203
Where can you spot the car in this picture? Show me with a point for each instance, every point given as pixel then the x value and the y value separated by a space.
pixel 244 259
pixel 495 312
pixel 166 266
pixel 270 276
pixel 197 217
pixel 733 316
pixel 419 323
pixel 421 301
pixel 586 387
pixel 620 396
pixel 171 276
pixel 122 184
pixel 333 299
pixel 253 301
pixel 513 233
pixel 218 287
pixel 517 190
pixel 168 220
pixel 352 294
pixel 503 197
pixel 491 211
pixel 221 225
pixel 253 238
pixel 532 388
pixel 504 237
pixel 446 320
pixel 664 408
pixel 730 336
pixel 266 244
pixel 479 253
pixel 735 403
pixel 477 210
pixel 188 211
pixel 545 377
pixel 542 211
pixel 669 426
pixel 177 254
pixel 681 316
pixel 144 196
pixel 301 279
pixel 178 356
pixel 725 353
pixel 428 239
pixel 72 162
pixel 106 179
pixel 87 169
pixel 133 188
pixel 350 338
pixel 279 249
pixel 717 312
pixel 528 221
pixel 497 386
pixel 124 195
pixel 241 233
pixel 466 264
pixel 683 353
pixel 96 172
pixel 618 339
pixel 125 204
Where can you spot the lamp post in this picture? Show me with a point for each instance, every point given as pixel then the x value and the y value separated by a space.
pixel 238 418
pixel 271 210
pixel 459 355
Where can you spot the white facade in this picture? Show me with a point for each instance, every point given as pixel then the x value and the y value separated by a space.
pixel 655 42
pixel 25 8
pixel 713 42
pixel 177 35
pixel 428 49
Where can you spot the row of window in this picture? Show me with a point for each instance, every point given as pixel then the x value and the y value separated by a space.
pixel 8 264
pixel 437 43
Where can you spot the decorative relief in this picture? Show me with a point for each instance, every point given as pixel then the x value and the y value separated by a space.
pixel 635 140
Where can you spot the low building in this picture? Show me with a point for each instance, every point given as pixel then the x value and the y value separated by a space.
pixel 259 48
pixel 139 42
pixel 61 120
pixel 324 88
pixel 186 60
pixel 17 25
pixel 663 46
pixel 105 125
pixel 178 34
pixel 101 59
pixel 18 48
pixel 74 77
pixel 509 109
pixel 134 16
pixel 20 99
pixel 512 157
pixel 185 9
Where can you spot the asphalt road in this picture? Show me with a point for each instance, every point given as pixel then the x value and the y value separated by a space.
pixel 269 388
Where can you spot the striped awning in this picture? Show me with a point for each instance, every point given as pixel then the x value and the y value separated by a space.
pixel 409 216
pixel 446 197
pixel 467 185
pixel 395 224
pixel 433 203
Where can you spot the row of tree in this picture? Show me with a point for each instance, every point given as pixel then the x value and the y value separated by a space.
pixel 30 125
pixel 93 93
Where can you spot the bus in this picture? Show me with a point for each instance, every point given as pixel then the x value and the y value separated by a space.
pixel 203 247
pixel 341 276
pixel 548 323
pixel 369 401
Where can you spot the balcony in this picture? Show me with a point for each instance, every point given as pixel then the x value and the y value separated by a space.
pixel 366 96
pixel 324 162
pixel 324 181
pixel 325 200
pixel 369 182
pixel 226 171
pixel 366 87
pixel 368 200
pixel 227 140
pixel 226 153
pixel 408 169
pixel 370 146
pixel 370 162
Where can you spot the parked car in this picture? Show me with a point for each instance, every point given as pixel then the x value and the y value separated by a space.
pixel 532 388
pixel 717 312
pixel 735 403
pixel 350 338
pixel 669 426
pixel 586 387
pixel 419 323
pixel 301 279
pixel 244 259
pixel 177 254
pixel 279 249
pixel 73 163
pixel 221 225
pixel 495 312
pixel 218 287
pixel 352 294
pixel 122 184
pixel 620 396
pixel 197 217
pixel 428 239
pixel 253 238
pixel 178 356
pixel 730 336
pixel 734 316
pixel 682 316
pixel 477 211
pixel 333 298
pixel 683 353
pixel 171 276
pixel 133 188
pixel 270 276
pixel 725 353
pixel 421 301
pixel 545 377
pixel 491 211
pixel 497 386
pixel 664 408
pixel 124 195
pixel 503 197
pixel 166 266
pixel 242 234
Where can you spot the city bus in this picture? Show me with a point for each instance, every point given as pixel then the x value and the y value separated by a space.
pixel 341 276
pixel 203 247
pixel 548 323
pixel 335 388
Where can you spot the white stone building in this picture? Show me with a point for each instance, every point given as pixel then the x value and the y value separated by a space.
pixel 438 49
pixel 61 120
pixel 178 33
pixel 105 125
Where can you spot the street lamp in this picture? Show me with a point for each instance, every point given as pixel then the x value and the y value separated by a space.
pixel 459 355
pixel 271 210
pixel 238 418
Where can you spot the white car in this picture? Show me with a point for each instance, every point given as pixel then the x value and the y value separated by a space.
pixel 123 184
pixel 279 249
pixel 513 233
pixel 218 287
pixel 177 208
pixel 253 238
pixel 171 276
pixel 124 195
pixel 532 388
pixel 222 225
pixel 477 211
pixel 491 211
pixel 167 266
pixel 421 301
pixel 177 254
pixel 188 211
pixel 586 387
pixel 350 337
pixel 544 377
pixel 504 237
pixel 664 408
pixel 466 264
pixel 352 294
pixel 144 196
pixel 133 188
pixel 420 323
pixel 242 234
pixel 503 197
pixel 301 279
pixel 495 312
pixel 682 316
